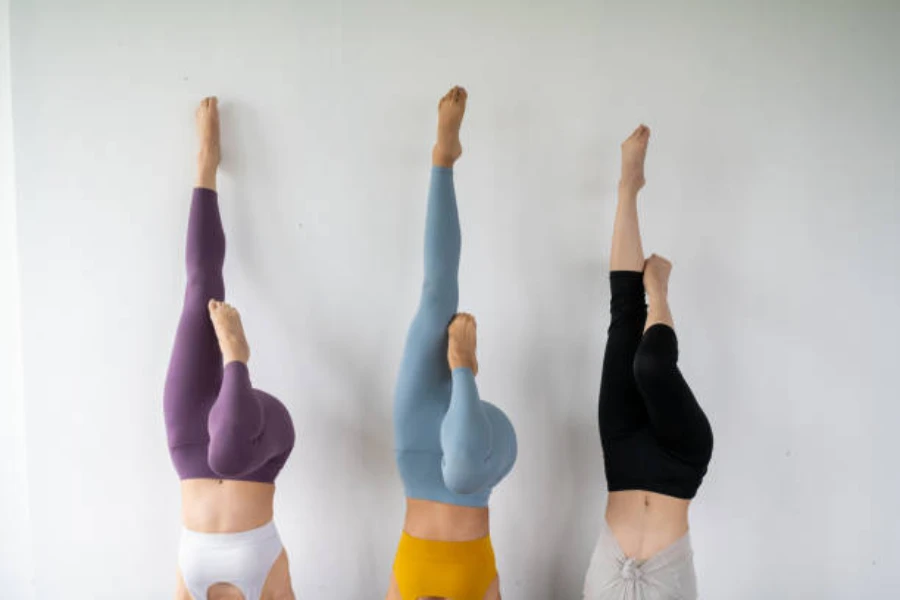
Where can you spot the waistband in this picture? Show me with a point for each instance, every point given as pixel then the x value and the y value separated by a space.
pixel 251 536
pixel 422 550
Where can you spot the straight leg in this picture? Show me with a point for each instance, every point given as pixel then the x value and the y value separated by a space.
pixel 424 385
pixel 621 410
pixel 195 368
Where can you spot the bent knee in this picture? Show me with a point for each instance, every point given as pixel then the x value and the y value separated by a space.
pixel 463 475
pixel 229 459
pixel 651 366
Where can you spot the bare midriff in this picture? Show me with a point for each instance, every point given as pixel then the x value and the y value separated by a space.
pixel 430 520
pixel 646 522
pixel 226 506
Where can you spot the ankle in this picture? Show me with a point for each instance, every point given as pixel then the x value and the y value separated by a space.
pixel 657 303
pixel 235 349
pixel 206 175
pixel 459 359
pixel 441 157
pixel 206 180
pixel 630 186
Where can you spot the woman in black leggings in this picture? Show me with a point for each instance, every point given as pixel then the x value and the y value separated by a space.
pixel 656 440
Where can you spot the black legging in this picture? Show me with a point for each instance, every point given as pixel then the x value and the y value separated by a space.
pixel 655 436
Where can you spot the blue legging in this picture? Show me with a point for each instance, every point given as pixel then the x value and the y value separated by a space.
pixel 452 447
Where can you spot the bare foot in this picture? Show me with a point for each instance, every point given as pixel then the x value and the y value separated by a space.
pixel 451 109
pixel 461 348
pixel 656 281
pixel 208 134
pixel 656 276
pixel 230 331
pixel 634 151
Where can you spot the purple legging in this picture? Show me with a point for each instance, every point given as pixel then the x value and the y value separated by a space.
pixel 218 425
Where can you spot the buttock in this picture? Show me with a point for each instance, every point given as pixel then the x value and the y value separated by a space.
pixel 637 461
pixel 241 559
pixel 457 570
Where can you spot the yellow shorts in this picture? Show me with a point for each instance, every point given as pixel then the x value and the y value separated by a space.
pixel 457 570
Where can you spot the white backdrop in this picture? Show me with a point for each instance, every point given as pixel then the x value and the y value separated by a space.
pixel 15 530
pixel 772 185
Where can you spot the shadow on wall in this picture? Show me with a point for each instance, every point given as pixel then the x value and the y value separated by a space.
pixel 560 382
pixel 344 435
pixel 580 368
pixel 370 466
pixel 242 128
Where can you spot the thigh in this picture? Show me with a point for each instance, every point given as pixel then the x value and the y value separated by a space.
pixel 278 434
pixel 181 591
pixel 278 582
pixel 493 592
pixel 621 409
pixel 424 385
pixel 678 421
pixel 193 378
pixel 504 445
pixel 676 418
pixel 394 590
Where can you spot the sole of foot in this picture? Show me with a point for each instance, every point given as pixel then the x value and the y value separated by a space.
pixel 451 109
pixel 226 321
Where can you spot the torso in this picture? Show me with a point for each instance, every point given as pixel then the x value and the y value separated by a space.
pixel 445 523
pixel 227 506
pixel 646 522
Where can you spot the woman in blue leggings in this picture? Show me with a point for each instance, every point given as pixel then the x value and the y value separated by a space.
pixel 452 447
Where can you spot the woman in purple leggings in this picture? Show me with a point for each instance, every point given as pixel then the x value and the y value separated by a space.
pixel 228 440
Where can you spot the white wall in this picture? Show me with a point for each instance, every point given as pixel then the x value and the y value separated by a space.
pixel 773 185
pixel 16 575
